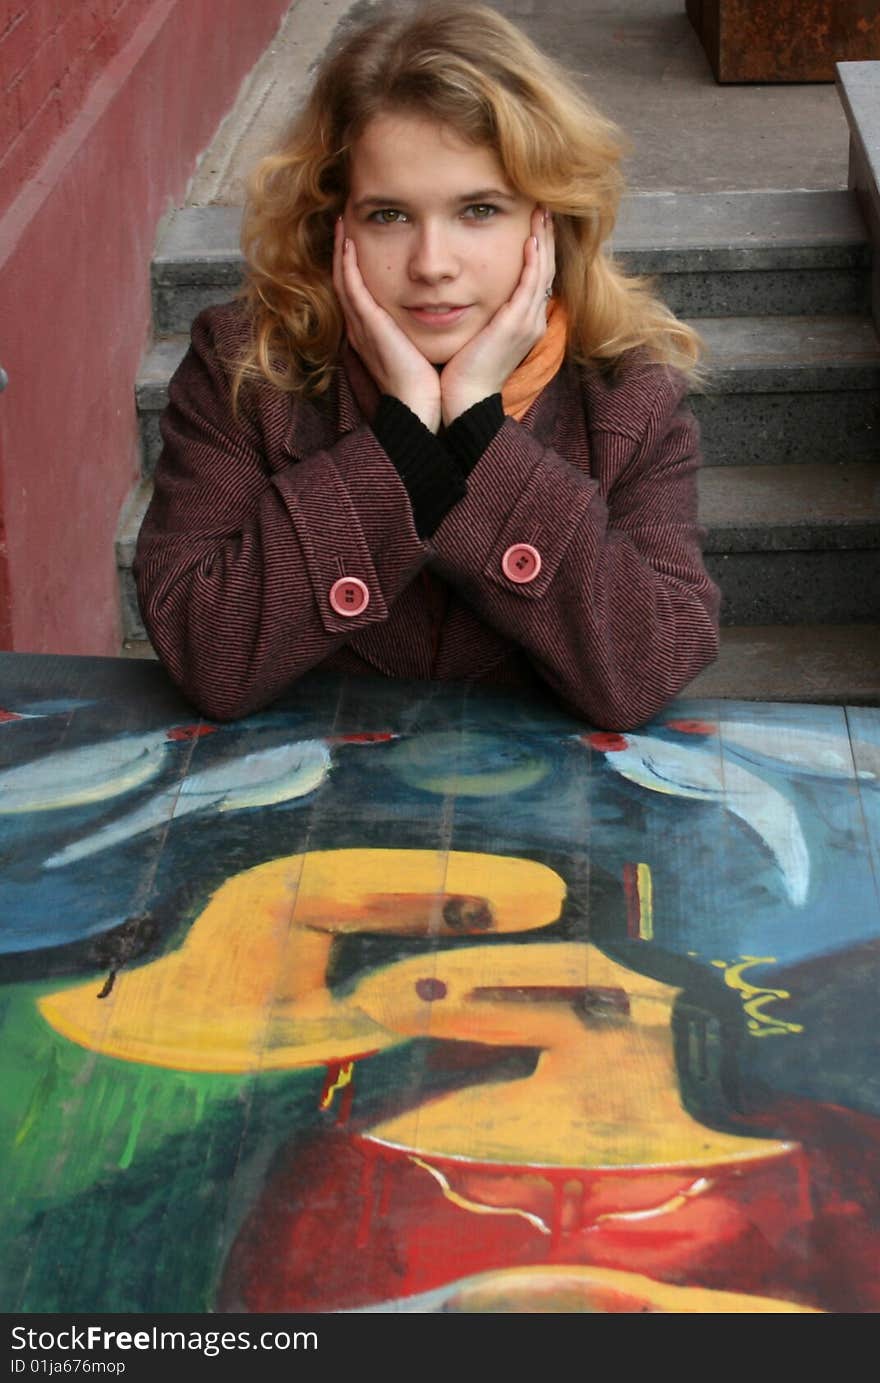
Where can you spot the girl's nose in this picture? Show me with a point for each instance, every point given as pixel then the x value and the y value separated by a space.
pixel 433 256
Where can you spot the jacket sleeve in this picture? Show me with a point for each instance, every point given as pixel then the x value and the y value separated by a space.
pixel 237 555
pixel 622 613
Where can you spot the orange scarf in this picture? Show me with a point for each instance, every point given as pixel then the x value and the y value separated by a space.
pixel 540 365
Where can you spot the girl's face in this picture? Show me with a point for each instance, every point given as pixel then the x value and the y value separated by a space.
pixel 439 231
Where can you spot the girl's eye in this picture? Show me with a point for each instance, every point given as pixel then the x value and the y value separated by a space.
pixel 387 216
pixel 481 211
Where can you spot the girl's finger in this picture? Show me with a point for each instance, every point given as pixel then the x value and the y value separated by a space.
pixel 338 241
pixel 546 253
pixel 336 268
pixel 352 289
pixel 524 292
pixel 542 229
pixel 547 256
pixel 535 284
pixel 348 272
pixel 339 284
pixel 361 302
pixel 550 245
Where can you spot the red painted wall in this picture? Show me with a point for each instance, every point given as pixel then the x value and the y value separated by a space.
pixel 51 51
pixel 106 106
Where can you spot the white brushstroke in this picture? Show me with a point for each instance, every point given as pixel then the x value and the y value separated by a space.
pixel 282 773
pixel 697 771
pixel 89 773
pixel 826 753
pixel 477 1207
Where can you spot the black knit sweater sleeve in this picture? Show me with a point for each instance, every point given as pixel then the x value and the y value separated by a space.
pixel 434 469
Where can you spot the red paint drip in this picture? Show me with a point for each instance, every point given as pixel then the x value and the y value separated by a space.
pixel 345 1102
pixel 364 737
pixel 633 905
pixel 692 727
pixel 605 740
pixel 9 715
pixel 190 732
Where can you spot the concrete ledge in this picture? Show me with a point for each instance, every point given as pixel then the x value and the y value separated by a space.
pixel 832 587
pixel 741 230
pixel 789 427
pixel 831 664
pixel 795 508
pixel 770 354
pixel 858 85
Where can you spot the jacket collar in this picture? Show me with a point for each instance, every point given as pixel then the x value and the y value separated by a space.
pixel 358 391
pixel 542 416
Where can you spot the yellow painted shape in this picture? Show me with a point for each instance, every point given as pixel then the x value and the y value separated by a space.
pixel 247 989
pixel 755 997
pixel 572 1290
pixel 409 892
pixel 645 890
pixel 345 1077
pixel 605 1090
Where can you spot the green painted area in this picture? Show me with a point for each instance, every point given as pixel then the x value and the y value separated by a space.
pixel 469 764
pixel 101 1155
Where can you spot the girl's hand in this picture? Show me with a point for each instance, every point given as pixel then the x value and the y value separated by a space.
pixel 394 362
pixel 481 367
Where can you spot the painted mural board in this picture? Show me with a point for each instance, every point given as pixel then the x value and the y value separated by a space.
pixel 407 997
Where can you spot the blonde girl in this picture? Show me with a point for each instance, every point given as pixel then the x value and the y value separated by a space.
pixel 440 435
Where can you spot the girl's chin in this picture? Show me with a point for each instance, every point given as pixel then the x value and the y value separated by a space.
pixel 439 354
pixel 440 351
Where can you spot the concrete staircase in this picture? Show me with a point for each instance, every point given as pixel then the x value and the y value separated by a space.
pixel 779 285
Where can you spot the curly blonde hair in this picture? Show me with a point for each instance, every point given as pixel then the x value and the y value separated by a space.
pixel 470 69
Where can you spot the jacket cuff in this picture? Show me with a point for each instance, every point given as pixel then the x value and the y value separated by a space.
pixel 433 481
pixel 469 436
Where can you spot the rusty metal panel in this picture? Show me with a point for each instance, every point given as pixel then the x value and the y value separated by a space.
pixel 785 40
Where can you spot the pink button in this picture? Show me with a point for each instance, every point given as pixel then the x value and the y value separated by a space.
pixel 349 596
pixel 521 563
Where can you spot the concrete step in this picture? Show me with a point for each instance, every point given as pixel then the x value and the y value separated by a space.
pixel 723 254
pixel 790 389
pixel 197 262
pixel 713 254
pixel 794 544
pixel 787 545
pixel 827 664
pixel 830 664
pixel 151 393
pixel 133 630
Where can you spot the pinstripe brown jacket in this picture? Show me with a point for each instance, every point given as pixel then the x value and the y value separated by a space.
pixel 255 519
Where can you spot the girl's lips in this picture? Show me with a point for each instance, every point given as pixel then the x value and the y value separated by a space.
pixel 438 317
